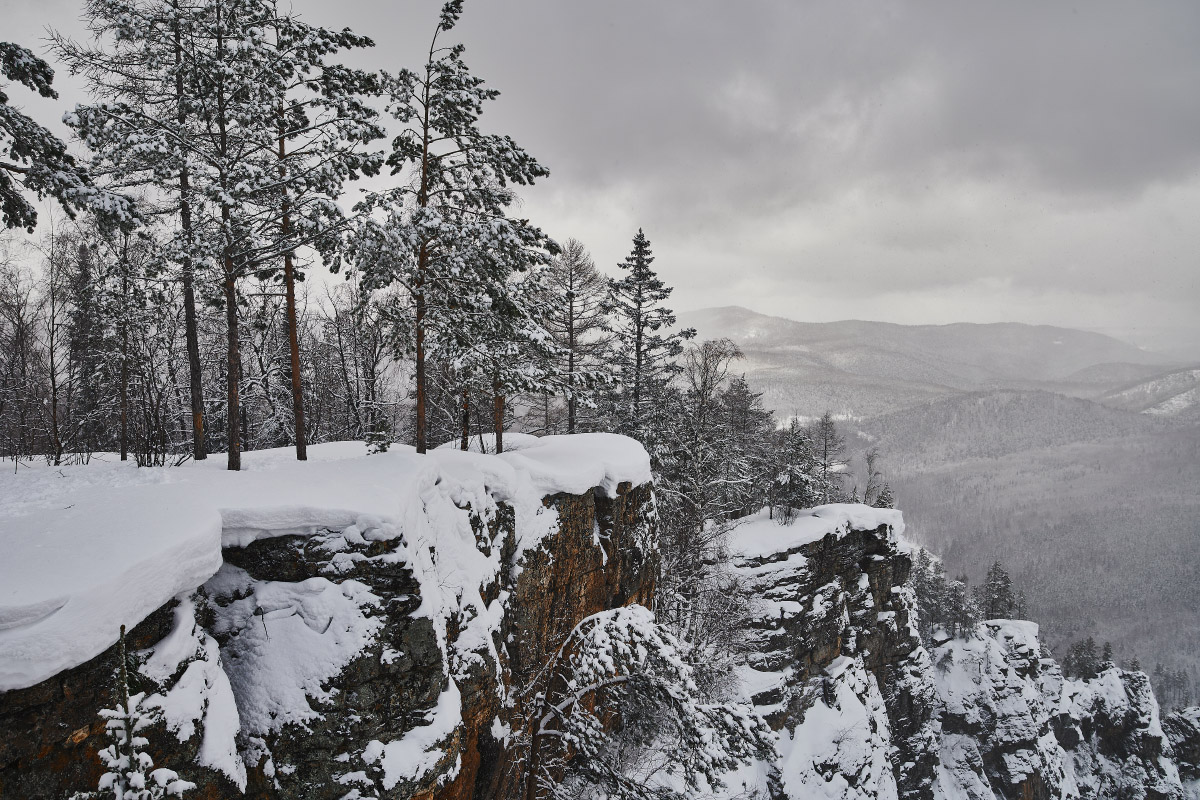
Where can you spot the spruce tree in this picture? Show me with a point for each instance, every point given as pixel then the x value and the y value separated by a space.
pixel 643 351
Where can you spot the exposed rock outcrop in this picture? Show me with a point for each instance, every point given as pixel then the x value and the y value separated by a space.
pixel 839 670
pixel 865 711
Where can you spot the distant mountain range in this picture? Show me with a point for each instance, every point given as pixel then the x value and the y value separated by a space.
pixel 864 369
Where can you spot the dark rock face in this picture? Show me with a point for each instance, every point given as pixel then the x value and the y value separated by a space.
pixel 1183 731
pixel 835 641
pixel 381 694
pixel 390 670
pixel 604 555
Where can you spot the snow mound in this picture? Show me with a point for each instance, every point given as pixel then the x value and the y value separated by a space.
pixel 86 549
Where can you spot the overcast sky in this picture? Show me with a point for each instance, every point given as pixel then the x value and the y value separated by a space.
pixel 915 163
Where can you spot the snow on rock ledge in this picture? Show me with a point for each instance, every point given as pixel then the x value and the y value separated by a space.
pixel 760 537
pixel 86 549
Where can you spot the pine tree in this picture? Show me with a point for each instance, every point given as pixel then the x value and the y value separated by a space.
pixel 643 353
pixel 35 161
pixel 145 133
pixel 205 71
pixel 322 126
pixel 445 235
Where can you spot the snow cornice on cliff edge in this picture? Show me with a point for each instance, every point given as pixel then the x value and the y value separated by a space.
pixel 86 549
pixel 759 537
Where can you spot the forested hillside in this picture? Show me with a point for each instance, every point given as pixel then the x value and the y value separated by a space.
pixel 1094 511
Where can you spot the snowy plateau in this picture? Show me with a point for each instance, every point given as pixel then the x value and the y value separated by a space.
pixel 361 625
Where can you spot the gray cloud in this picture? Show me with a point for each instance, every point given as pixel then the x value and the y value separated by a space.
pixel 907 161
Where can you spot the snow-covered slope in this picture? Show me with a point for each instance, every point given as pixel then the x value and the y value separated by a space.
pixel 1168 395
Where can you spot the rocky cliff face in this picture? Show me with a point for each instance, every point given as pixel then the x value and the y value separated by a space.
pixel 865 711
pixel 839 670
pixel 374 660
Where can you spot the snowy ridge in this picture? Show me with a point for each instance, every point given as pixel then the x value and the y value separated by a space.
pixel 106 544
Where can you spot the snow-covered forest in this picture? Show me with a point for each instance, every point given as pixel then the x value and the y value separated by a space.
pixel 550 543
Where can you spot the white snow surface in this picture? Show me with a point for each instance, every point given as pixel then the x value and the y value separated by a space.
pixel 85 549
pixel 759 536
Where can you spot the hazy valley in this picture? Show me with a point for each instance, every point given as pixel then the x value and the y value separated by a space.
pixel 1067 455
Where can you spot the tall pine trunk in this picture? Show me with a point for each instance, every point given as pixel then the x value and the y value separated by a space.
pixel 289 279
pixel 498 416
pixel 233 357
pixel 191 334
pixel 464 444
pixel 125 349
pixel 419 336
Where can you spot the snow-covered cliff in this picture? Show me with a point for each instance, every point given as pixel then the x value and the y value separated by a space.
pixel 349 627
pixel 865 711
pixel 363 627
